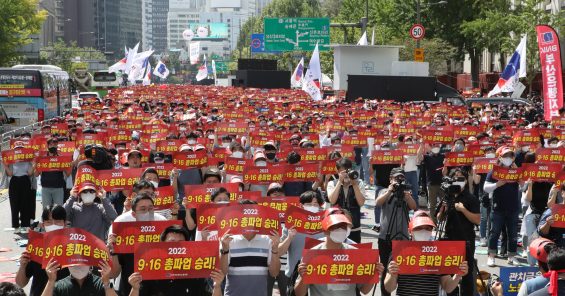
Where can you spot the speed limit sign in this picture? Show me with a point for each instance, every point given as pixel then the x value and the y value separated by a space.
pixel 417 31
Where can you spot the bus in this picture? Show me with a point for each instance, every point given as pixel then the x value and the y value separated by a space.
pixel 33 93
pixel 104 80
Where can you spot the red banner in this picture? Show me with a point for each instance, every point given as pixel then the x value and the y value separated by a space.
pixel 232 128
pixel 207 214
pixel 435 257
pixel 483 165
pixel 164 197
pixel 74 246
pixel 169 146
pixel 550 58
pixel 328 167
pixel 344 150
pixel 176 260
pixel 506 174
pixel 313 154
pixel 545 155
pixel 129 234
pixel 437 136
pixel 387 157
pixel 459 158
pixel 163 169
pixel 526 137
pixel 560 179
pixel 465 131
pixel 35 246
pixel 200 194
pixel 558 212
pixel 240 219
pixel 119 179
pixel 303 221
pixel 541 172
pixel 188 159
pixel 279 204
pixel 263 175
pixel 53 163
pixel 301 173
pixel 411 149
pixel 234 166
pixel 18 155
pixel 341 266
pixel 66 147
pixel 86 174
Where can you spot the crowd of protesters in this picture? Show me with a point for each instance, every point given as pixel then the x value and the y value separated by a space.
pixel 412 201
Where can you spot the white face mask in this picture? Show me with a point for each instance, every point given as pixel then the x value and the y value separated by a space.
pixel 507 161
pixel 160 161
pixel 422 235
pixel 182 129
pixel 525 148
pixel 312 209
pixel 435 150
pixel 225 145
pixel 88 198
pixel 49 228
pixel 261 163
pixel 79 272
pixel 338 235
pixel 191 142
pixel 211 136
pixel 155 184
pixel 460 184
pixel 490 155
pixel 333 135
pixel 553 145
pixel 459 147
pixel 237 154
pixel 148 216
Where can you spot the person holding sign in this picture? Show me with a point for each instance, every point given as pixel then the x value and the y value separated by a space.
pixel 52 182
pixel 53 218
pixel 547 225
pixel 336 227
pixel 421 284
pixel 81 281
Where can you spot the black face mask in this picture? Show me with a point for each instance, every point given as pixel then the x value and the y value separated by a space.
pixel 52 150
pixel 270 155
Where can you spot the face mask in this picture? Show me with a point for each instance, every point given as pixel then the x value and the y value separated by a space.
pixel 490 155
pixel 270 155
pixel 422 235
pixel 459 147
pixel 338 235
pixel 52 150
pixel 261 163
pixel 155 184
pixel 408 143
pixel 182 129
pixel 88 198
pixel 553 145
pixel 333 135
pixel 460 184
pixel 507 161
pixel 191 142
pixel 49 228
pixel 312 209
pixel 237 154
pixel 79 272
pixel 435 150
pixel 160 161
pixel 148 216
pixel 225 145
pixel 525 148
pixel 211 136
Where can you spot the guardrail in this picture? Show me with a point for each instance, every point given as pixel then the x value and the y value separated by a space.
pixel 7 136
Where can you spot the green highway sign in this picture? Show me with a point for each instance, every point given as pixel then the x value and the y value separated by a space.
pixel 288 34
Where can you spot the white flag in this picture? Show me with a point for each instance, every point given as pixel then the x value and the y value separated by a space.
pixel 515 70
pixel 194 52
pixel 214 71
pixel 119 66
pixel 313 77
pixel 147 78
pixel 363 39
pixel 161 70
pixel 373 37
pixel 202 71
pixel 298 75
pixel 132 53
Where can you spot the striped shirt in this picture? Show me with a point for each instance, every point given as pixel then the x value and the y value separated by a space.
pixel 418 285
pixel 248 266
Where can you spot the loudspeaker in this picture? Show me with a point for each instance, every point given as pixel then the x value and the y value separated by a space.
pixel 264 79
pixel 257 64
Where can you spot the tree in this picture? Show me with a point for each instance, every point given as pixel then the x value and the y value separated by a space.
pixel 18 20
pixel 437 51
pixel 62 54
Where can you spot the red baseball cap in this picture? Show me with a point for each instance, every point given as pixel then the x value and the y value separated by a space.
pixel 87 185
pixel 537 248
pixel 334 219
pixel 421 221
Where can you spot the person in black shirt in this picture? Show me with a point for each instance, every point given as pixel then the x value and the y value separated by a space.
pixel 382 181
pixel 52 183
pixel 53 218
pixel 197 287
pixel 433 164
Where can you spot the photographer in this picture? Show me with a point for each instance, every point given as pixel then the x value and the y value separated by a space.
pixel 395 202
pixel 348 192
pixel 460 211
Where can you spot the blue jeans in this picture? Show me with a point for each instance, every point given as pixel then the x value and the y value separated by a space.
pixel 530 223
pixel 412 179
pixel 485 222
pixel 377 208
pixel 365 165
pixel 508 220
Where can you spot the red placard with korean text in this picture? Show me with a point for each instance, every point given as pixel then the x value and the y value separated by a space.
pixel 188 159
pixel 483 165
pixel 18 155
pixel 86 173
pixel 163 169
pixel 66 147
pixel 387 157
pixel 411 149
pixel 328 167
pixel 341 266
pixel 309 243
pixel 465 131
pixel 433 257
pixel 301 173
pixel 545 155
pixel 207 215
pixel 232 128
pixel 560 179
pixel 279 204
pixel 437 136
pixel 85 139
pixel 459 158
pixel 344 150
pixel 526 137
pixel 176 260
pixel 251 195
pixel 263 175
pixel 53 163
pixel 169 146
pixel 129 234
pixel 247 218
pixel 558 212
pixel 74 246
pixel 541 172
pixel 119 179
pixel 35 246
pixel 500 173
pixel 200 194
pixel 303 221
pixel 313 154
pixel 234 166
pixel 164 197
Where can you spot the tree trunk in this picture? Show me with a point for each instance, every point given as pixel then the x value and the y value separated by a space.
pixel 475 58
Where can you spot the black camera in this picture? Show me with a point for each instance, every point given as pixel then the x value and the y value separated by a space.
pixel 353 174
pixel 400 187
pixel 99 155
pixel 448 187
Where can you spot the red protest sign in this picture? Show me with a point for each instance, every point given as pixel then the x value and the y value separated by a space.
pixel 328 167
pixel 35 246
pixel 199 194
pixel 85 139
pixel 465 131
pixel 207 214
pixel 169 146
pixel 176 260
pixel 246 218
pixel 232 128
pixel 387 157
pixel 74 246
pixel 526 137
pixel 541 172
pixel 344 150
pixel 18 155
pixel 234 166
pixel 437 136
pixel 434 257
pixel 263 175
pixel 356 141
pixel 129 234
pixel 119 136
pixel 53 163
pixel 86 174
pixel 406 149
pixel 164 197
pixel 66 147
pixel 560 180
pixel 545 155
pixel 558 213
pixel 251 195
pixel 341 266
pixel 303 221
pixel 459 158
pixel 119 179
pixel 189 159
pixel 163 169
pixel 483 165
pixel 301 173
pixel 500 173
pixel 279 204
pixel 313 154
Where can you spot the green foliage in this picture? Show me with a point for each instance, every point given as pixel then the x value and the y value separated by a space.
pixel 18 20
pixel 62 54
pixel 436 51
